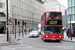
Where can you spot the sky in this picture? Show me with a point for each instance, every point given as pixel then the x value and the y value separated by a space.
pixel 63 2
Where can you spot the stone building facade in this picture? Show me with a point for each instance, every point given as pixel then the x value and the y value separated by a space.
pixel 29 11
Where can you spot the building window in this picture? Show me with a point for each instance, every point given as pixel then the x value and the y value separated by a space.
pixel 1 5
pixel 74 9
pixel 74 17
pixel 71 10
pixel 74 2
pixel 2 14
pixel 68 3
pixel 71 17
pixel 4 5
pixel 68 18
pixel 71 2
pixel 2 23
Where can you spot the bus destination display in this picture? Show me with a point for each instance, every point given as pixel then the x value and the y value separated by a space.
pixel 53 22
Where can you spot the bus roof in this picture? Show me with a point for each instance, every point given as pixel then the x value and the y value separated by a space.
pixel 52 11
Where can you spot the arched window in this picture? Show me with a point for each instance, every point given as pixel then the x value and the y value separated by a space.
pixel 2 14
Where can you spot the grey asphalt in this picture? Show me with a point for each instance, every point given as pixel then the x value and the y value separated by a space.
pixel 38 44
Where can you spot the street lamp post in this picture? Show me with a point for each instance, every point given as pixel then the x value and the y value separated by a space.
pixel 15 27
pixel 70 26
pixel 19 28
pixel 7 20
pixel 32 20
pixel 22 28
pixel 25 27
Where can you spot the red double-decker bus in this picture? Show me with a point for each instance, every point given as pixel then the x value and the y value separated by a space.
pixel 51 26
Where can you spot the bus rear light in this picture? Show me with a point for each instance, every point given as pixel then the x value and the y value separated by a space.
pixel 46 36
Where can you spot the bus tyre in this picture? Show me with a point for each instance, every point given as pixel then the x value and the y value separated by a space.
pixel 44 40
pixel 58 41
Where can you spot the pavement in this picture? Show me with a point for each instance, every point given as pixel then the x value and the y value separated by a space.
pixel 12 40
pixel 68 39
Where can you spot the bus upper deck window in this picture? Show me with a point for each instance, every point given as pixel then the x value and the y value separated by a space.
pixel 57 17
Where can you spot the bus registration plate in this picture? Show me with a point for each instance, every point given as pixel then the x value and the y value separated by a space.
pixel 53 39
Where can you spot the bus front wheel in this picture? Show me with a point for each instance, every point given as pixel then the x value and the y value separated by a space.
pixel 58 40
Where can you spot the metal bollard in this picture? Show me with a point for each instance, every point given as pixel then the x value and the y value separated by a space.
pixel 9 39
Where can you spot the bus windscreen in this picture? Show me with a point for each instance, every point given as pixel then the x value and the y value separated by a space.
pixel 53 22
pixel 53 15
pixel 53 30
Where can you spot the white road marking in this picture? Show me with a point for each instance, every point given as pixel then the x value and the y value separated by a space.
pixel 65 47
pixel 7 48
pixel 21 46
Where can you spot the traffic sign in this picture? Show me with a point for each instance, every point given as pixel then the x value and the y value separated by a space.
pixel 32 25
pixel 9 22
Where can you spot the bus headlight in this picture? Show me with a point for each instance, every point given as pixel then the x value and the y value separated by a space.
pixel 60 36
pixel 46 36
